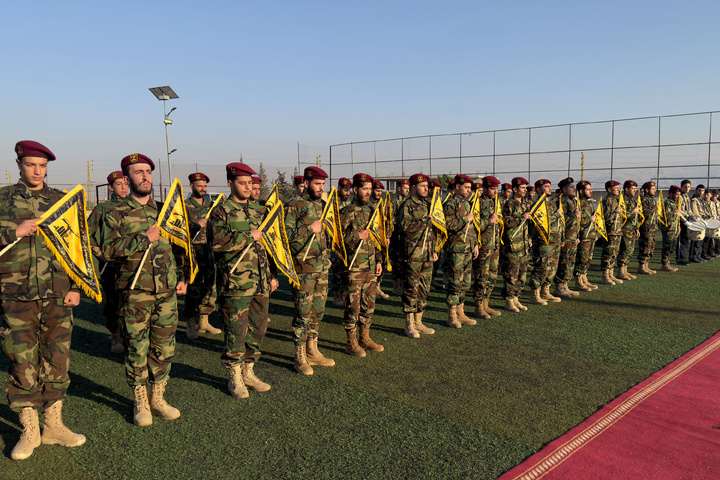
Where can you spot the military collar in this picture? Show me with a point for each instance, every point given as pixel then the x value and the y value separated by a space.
pixel 194 201
pixel 132 201
pixel 356 201
pixel 27 193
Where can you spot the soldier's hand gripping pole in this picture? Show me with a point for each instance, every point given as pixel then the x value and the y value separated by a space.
pixel 242 255
pixel 137 274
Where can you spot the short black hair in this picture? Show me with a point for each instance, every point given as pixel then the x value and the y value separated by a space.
pixel 700 185
pixel 685 182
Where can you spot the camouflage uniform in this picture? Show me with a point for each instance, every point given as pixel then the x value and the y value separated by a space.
pixel 337 264
pixel 613 222
pixel 671 231
pixel 148 313
pixel 244 293
pixel 201 294
pixel 411 223
pixel 35 326
pixel 587 236
pixel 461 242
pixel 546 254
pixel 515 253
pixel 629 231
pixel 568 252
pixel 648 230
pixel 485 266
pixel 310 298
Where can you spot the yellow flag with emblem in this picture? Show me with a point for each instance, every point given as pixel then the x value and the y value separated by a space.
pixel 662 216
pixel 600 220
pixel 275 240
pixel 273 198
pixel 623 206
pixel 376 227
pixel 174 225
pixel 217 201
pixel 540 217
pixel 65 230
pixel 437 213
pixel 331 224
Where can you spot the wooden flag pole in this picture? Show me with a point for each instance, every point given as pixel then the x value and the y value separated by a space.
pixel 308 247
pixel 137 274
pixel 9 246
pixel 357 250
pixel 242 255
pixel 425 238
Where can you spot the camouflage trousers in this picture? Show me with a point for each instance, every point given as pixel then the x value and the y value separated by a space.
pixel 585 250
pixel 514 272
pixel 36 339
pixel 111 297
pixel 566 264
pixel 244 324
pixel 669 244
pixel 485 268
pixel 627 247
pixel 202 293
pixel 149 322
pixel 545 264
pixel 610 252
pixel 359 296
pixel 646 246
pixel 458 267
pixel 416 285
pixel 309 302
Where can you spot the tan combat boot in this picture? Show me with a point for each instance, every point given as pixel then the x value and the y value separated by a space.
pixel 30 438
pixel 519 305
pixel 587 282
pixel 141 409
pixel 566 289
pixel 668 268
pixel 55 432
pixel 462 317
pixel 580 285
pixel 337 299
pixel 652 272
pixel 397 287
pixel 535 297
pixel 419 325
pixel 480 311
pixel 452 320
pixel 366 342
pixel 301 364
pixel 250 380
pixel 381 294
pixel 158 405
pixel 624 275
pixel 191 330
pixel 547 296
pixel 510 305
pixel 116 342
pixel 410 326
pixel 236 386
pixel 352 347
pixel 490 311
pixel 632 277
pixel 613 277
pixel 561 291
pixel 205 327
pixel 313 355
pixel 607 278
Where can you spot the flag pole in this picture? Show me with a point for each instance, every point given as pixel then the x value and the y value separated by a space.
pixel 242 255
pixel 137 274
pixel 308 247
pixel 425 238
pixel 357 250
pixel 9 246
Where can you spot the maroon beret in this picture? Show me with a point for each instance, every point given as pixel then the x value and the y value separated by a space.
pixel 239 170
pixel 517 181
pixel 256 180
pixel 565 182
pixel 419 178
pixel 648 185
pixel 490 181
pixel 115 176
pixel 28 148
pixel 530 188
pixel 611 183
pixel 506 186
pixel 675 188
pixel 451 184
pixel 629 183
pixel 403 181
pixel 541 182
pixel 298 179
pixel 378 184
pixel 435 184
pixel 460 179
pixel 476 185
pixel 314 173
pixel 344 182
pixel 193 177
pixel 136 158
pixel 583 184
pixel 360 178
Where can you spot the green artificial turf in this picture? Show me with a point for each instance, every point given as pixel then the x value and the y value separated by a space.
pixel 468 403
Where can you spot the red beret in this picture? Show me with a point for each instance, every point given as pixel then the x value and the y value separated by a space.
pixel 506 186
pixel 541 182
pixel 360 178
pixel 403 181
pixel 565 182
pixel 675 188
pixel 136 158
pixel 419 178
pixel 460 179
pixel 648 185
pixel 530 188
pixel 476 185
pixel 517 181
pixel 239 170
pixel 256 180
pixel 198 176
pixel 298 179
pixel 435 184
pixel 490 181
pixel 115 176
pixel 451 184
pixel 583 184
pixel 629 183
pixel 314 173
pixel 344 182
pixel 611 183
pixel 28 148
pixel 377 184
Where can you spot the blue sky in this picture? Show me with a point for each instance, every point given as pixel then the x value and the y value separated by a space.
pixel 255 78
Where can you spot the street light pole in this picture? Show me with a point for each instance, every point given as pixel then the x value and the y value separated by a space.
pixel 166 93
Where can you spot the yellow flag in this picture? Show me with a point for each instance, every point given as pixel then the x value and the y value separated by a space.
pixel 273 198
pixel 600 220
pixel 623 206
pixel 331 224
pixel 174 225
pixel 662 217
pixel 498 211
pixel 475 210
pixel 375 226
pixel 388 214
pixel 65 229
pixel 217 201
pixel 540 217
pixel 275 240
pixel 438 218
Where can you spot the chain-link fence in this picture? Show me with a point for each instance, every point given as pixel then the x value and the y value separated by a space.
pixel 666 149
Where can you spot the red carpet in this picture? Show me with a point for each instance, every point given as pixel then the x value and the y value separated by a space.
pixel 660 429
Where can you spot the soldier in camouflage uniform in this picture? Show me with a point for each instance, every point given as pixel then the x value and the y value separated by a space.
pixel 612 212
pixel 546 251
pixel 531 195
pixel 360 277
pixel 516 244
pixel 630 231
pixel 417 251
pixel 304 229
pixel 245 279
pixel 377 192
pixel 403 189
pixel 299 182
pixel 506 194
pixel 587 236
pixel 343 192
pixel 670 227
pixel 485 266
pixel 117 188
pixel 37 299
pixel 568 203
pixel 201 295
pixel 460 250
pixel 648 229
pixel 148 309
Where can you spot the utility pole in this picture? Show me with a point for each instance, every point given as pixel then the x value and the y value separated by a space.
pixel 89 188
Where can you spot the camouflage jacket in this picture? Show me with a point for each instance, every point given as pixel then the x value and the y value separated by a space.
pixel 344 203
pixel 586 232
pixel 649 209
pixel 229 236
pixel 462 237
pixel 613 217
pixel 515 236
pixel 633 219
pixel 672 217
pixel 488 231
pixel 197 211
pixel 28 270
pixel 572 222
pixel 398 201
pixel 411 223
pixel 300 213
pixel 354 218
pixel 124 239
pixel 95 222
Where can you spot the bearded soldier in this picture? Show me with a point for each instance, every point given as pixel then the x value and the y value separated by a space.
pixel 670 227
pixel 343 192
pixel 546 251
pixel 568 205
pixel 516 246
pixel 403 189
pixel 485 266
pixel 377 191
pixel 587 236
pixel 648 229
pixel 612 212
pixel 630 226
